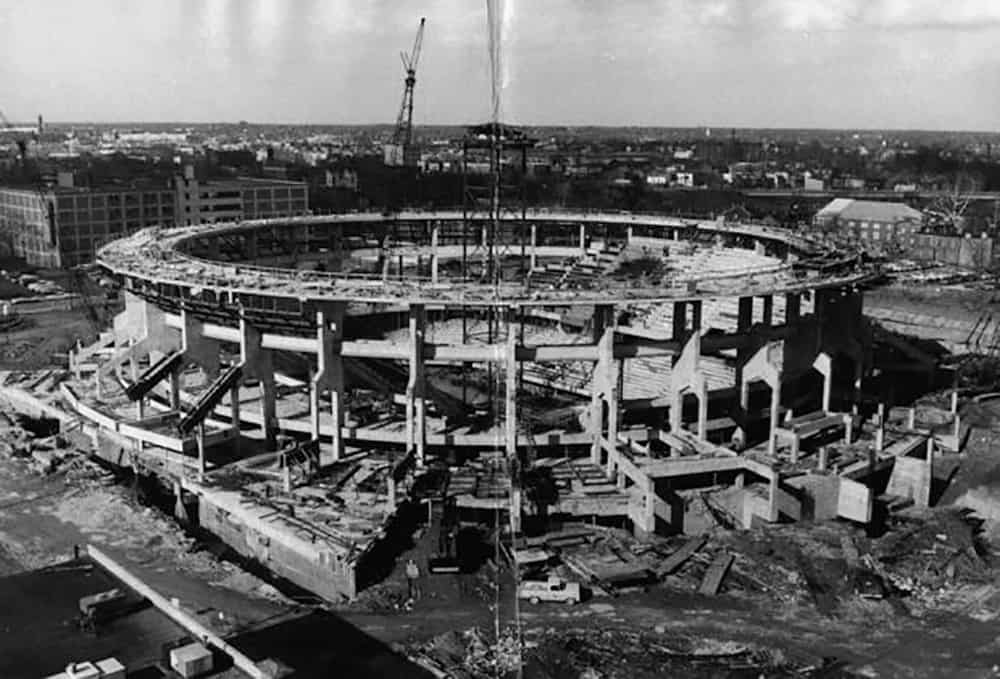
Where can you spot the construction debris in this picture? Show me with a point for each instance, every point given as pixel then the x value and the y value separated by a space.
pixel 715 574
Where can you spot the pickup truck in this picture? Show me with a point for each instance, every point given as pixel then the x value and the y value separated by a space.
pixel 553 589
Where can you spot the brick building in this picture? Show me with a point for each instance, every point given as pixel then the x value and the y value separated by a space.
pixel 869 221
pixel 64 225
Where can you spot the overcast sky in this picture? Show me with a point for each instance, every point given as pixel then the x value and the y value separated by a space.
pixel 928 64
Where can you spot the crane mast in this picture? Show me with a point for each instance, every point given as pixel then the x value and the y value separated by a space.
pixel 400 150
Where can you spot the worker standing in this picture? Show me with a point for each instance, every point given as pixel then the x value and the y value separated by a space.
pixel 412 579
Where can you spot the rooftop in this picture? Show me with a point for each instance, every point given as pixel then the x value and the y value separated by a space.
pixel 870 210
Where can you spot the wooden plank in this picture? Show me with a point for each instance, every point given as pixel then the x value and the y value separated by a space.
pixel 675 560
pixel 715 574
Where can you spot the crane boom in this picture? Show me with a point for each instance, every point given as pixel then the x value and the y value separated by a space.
pixel 399 152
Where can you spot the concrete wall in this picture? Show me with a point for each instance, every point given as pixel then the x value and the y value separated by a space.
pixel 973 253
pixel 322 579
pixel 819 495
pixel 909 479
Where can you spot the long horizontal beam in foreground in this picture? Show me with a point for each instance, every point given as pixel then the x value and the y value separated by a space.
pixel 186 621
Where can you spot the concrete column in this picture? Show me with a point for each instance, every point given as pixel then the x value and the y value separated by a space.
pixel 180 512
pixel 329 374
pixel 848 428
pixel 510 425
pixel 175 388
pixel 824 366
pixel 391 491
pixel 596 419
pixel 880 431
pixel 911 419
pixel 534 246
pixel 744 315
pixel 434 251
pixel 611 394
pixel 696 309
pixel 922 497
pixel 257 365
pixel 679 322
pixel 793 307
pixel 954 401
pixel 604 384
pixel 203 352
pixel 234 409
pixel 200 440
pixel 703 412
pixel 775 408
pixel 768 312
pixel 133 365
pixel 604 316
pixel 415 404
pixel 583 240
pixel 772 499
pixel 824 459
pixel 646 525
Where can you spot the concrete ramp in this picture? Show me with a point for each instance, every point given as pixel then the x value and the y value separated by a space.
pixel 153 375
pixel 210 398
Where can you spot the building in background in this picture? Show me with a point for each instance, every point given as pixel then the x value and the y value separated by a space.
pixel 64 225
pixel 869 221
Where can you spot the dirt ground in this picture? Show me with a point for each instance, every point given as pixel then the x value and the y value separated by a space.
pixel 740 632
pixel 42 518
pixel 40 339
pixel 869 638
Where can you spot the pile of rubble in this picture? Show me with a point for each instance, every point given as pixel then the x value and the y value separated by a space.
pixel 597 654
pixel 931 551
pixel 45 455
pixel 926 554
pixel 469 654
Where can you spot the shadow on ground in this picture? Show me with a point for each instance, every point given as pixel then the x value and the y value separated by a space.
pixel 321 644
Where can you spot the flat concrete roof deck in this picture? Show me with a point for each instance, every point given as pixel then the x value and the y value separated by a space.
pixel 154 257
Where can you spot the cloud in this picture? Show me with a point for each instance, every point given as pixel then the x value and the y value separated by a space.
pixel 839 15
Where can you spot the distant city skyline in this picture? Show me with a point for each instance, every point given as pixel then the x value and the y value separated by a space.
pixel 856 64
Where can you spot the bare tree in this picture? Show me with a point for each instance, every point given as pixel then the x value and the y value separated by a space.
pixel 947 212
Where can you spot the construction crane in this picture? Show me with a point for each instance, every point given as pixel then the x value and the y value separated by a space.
pixel 399 151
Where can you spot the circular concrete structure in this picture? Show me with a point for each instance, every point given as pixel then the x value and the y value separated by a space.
pixel 622 316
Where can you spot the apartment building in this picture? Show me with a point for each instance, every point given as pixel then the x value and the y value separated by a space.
pixel 64 226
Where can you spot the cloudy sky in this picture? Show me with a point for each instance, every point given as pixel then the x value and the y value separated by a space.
pixel 770 63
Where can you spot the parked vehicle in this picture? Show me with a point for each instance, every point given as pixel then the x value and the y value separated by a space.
pixel 553 589
pixel 868 585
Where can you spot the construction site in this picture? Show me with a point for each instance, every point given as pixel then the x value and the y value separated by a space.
pixel 614 401
pixel 731 449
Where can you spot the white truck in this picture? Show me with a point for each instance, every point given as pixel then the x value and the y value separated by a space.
pixel 553 589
